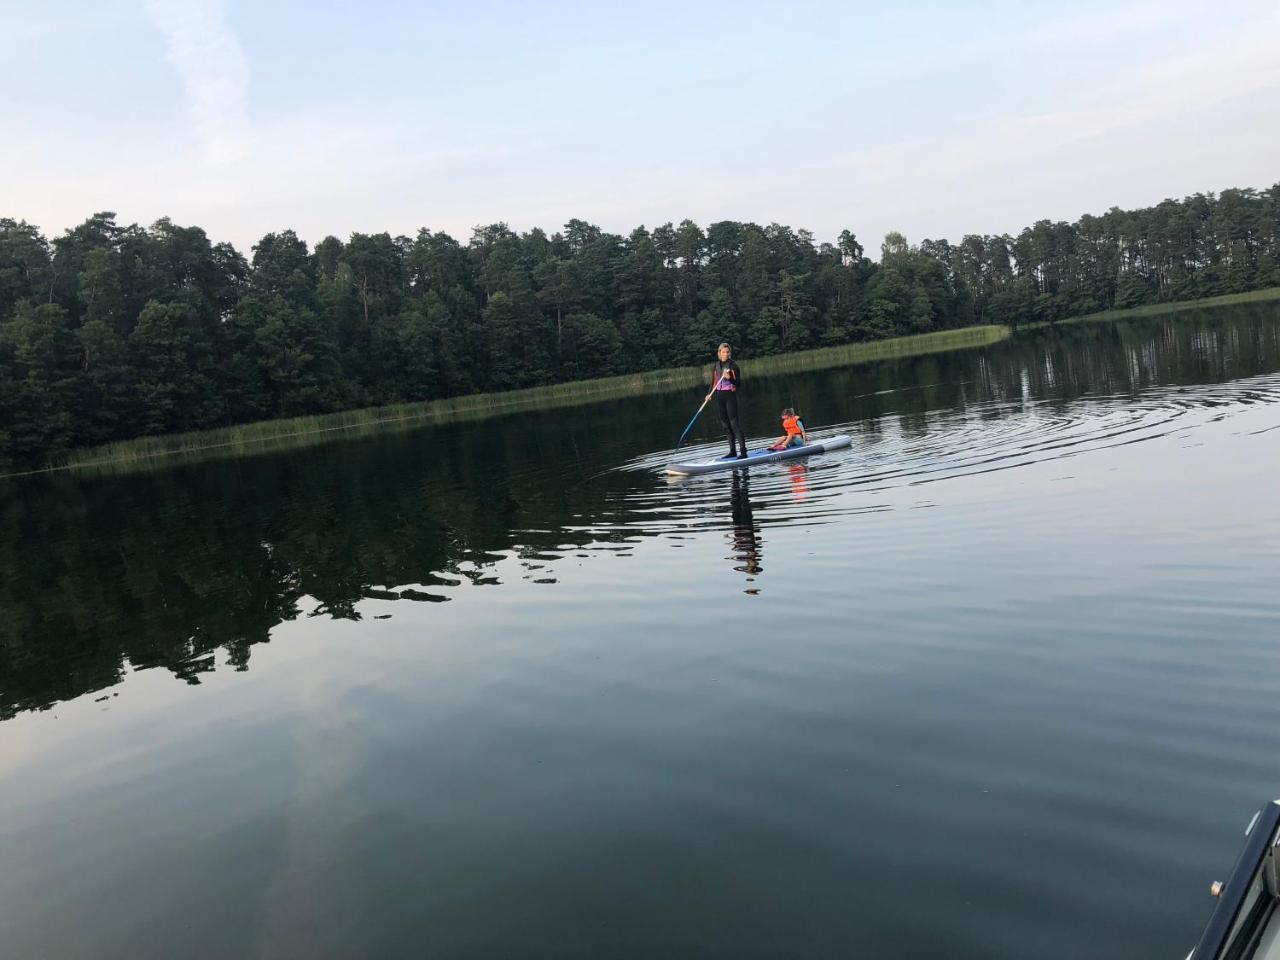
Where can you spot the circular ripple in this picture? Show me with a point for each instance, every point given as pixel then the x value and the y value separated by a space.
pixel 893 452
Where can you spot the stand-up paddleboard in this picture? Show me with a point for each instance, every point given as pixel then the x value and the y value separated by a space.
pixel 760 456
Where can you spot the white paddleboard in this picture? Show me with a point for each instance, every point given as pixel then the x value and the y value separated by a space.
pixel 759 456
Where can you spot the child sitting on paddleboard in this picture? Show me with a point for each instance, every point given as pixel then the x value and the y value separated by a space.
pixel 795 435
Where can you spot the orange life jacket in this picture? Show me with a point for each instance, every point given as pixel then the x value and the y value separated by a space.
pixel 792 426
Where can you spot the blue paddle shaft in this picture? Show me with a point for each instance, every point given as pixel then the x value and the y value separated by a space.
pixel 705 401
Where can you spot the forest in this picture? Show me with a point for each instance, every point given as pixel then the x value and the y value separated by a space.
pixel 111 332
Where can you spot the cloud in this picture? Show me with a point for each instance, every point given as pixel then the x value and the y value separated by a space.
pixel 208 57
pixel 1130 138
pixel 1052 118
pixel 30 30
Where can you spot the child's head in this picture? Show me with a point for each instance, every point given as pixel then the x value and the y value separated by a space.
pixel 724 352
pixel 787 413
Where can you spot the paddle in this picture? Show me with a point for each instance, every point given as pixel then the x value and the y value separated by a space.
pixel 705 401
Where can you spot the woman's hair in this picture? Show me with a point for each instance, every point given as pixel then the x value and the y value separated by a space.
pixel 723 346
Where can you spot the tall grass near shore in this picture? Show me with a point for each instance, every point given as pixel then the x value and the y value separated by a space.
pixel 1161 309
pixel 273 435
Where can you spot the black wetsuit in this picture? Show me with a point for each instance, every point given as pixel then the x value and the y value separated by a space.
pixel 727 402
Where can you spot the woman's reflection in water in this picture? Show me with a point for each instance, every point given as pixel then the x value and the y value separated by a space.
pixel 746 535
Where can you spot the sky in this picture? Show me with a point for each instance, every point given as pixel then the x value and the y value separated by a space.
pixel 935 119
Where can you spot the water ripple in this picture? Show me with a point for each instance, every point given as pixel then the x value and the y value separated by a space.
pixel 892 452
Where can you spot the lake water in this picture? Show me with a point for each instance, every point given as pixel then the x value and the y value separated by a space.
pixel 1000 681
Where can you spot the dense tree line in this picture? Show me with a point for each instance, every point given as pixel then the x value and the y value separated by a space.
pixel 111 332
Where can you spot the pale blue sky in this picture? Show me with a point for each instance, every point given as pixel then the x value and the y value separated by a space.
pixel 931 118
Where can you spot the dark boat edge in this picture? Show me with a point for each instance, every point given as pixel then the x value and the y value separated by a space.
pixel 1247 899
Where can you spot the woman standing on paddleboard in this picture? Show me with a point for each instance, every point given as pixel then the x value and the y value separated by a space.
pixel 726 379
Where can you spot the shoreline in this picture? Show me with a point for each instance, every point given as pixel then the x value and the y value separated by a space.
pixel 267 436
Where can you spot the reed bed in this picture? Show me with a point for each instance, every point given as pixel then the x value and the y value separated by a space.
pixel 1177 306
pixel 267 435
pixel 895 348
pixel 293 433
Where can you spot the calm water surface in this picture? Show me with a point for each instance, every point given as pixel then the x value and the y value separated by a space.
pixel 1001 681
